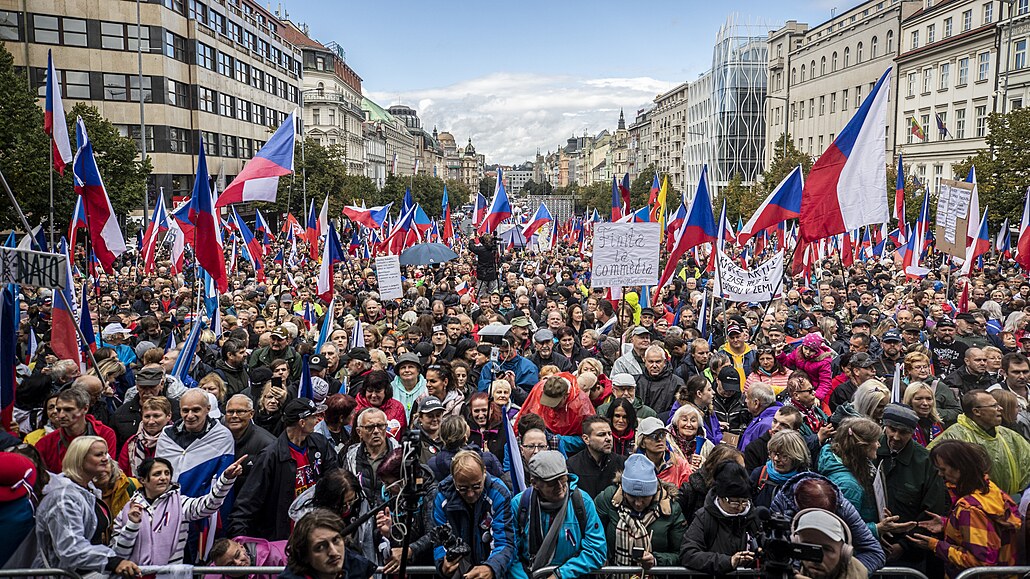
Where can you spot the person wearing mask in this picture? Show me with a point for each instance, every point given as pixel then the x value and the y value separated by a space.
pixel 556 524
pixel 828 531
pixel 982 526
pixel 364 458
pixel 478 508
pixel 152 527
pixel 723 534
pixel 72 524
pixel 249 438
pixel 73 421
pixel 641 513
pixel 912 484
pixel 597 465
pixel 283 471
pixel 317 549
pixel 980 423
pixel 657 385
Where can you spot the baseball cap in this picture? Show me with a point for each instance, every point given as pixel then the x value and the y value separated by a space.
pixel 300 408
pixel 651 425
pixel 861 321
pixel 407 358
pixel 822 521
pixel 358 353
pixel 114 329
pixel 17 476
pixel 286 297
pixel 945 322
pixel 554 391
pixel 640 331
pixel 150 376
pixel 734 328
pixel 548 465
pixel 861 360
pixel 318 362
pixel 430 404
pixel 520 322
pixel 439 329
pixel 913 328
pixel 543 335
pixel 281 333
pixel 729 378
pixel 647 312
pixel 891 336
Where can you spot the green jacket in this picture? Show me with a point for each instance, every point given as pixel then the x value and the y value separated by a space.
pixel 638 405
pixel 666 532
pixel 265 357
pixel 913 485
pixel 1009 452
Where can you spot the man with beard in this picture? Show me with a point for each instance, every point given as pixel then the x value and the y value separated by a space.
pixel 596 465
pixel 278 347
pixel 892 354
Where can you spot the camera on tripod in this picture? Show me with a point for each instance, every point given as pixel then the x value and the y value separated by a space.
pixel 777 552
pixel 453 545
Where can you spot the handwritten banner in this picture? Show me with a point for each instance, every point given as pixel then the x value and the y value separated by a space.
pixel 388 272
pixel 33 268
pixel 749 285
pixel 625 254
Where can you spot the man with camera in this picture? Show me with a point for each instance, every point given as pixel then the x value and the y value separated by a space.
pixel 556 523
pixel 477 506
pixel 827 530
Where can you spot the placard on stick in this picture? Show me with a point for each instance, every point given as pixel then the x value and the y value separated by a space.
pixel 625 254
pixel 953 216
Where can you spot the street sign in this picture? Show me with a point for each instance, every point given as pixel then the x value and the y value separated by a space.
pixel 33 268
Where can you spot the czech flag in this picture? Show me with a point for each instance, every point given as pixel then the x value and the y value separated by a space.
pixel 1002 244
pixel 178 247
pixel 675 222
pixel 104 231
pixel 372 218
pixel 624 192
pixel 208 248
pixel 917 241
pixel 77 222
pixel 538 220
pixel 448 228
pixel 500 207
pixel 478 210
pixel 699 227
pixel 421 221
pixel 86 322
pixel 181 216
pixel 63 340
pixel 616 201
pixel 408 202
pixel 54 122
pixel 782 204
pixel 158 224
pixel 845 188
pixel 981 245
pixel 8 351
pixel 1023 243
pixel 254 248
pixel 259 179
pixel 262 231
pixel 899 193
pixel 332 254
pixel 311 234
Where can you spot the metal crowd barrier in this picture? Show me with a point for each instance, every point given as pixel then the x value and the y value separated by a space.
pixel 683 571
pixel 39 573
pixel 198 571
pixel 993 571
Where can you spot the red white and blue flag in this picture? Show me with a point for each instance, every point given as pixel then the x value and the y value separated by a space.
pixel 63 340
pixel 54 122
pixel 500 207
pixel 899 192
pixel 1002 243
pixel 208 246
pixel 86 323
pixel 981 244
pixel 539 219
pixel 1023 241
pixel 259 179
pixel 104 231
pixel 312 233
pixel 77 222
pixel 845 188
pixel 254 248
pixel 917 241
pixel 617 209
pixel 448 228
pixel 478 210
pixel 158 224
pixel 332 254
pixel 8 352
pixel 699 227
pixel 782 204
pixel 372 218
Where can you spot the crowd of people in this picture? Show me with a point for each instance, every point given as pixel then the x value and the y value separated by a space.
pixel 885 420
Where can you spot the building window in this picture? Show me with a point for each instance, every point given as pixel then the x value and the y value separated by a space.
pixel 909 137
pixel 112 36
pixel 76 84
pixel 801 110
pixel 225 64
pixel 1020 60
pixel 226 105
pixel 132 131
pixel 945 73
pixel 821 144
pixel 963 71
pixel 64 31
pixel 802 73
pixel 206 99
pixel 874 44
pixel 256 78
pixel 218 23
pixel 847 56
pixel 931 33
pixel 811 108
pixel 988 13
pixel 178 94
pixel 10 25
pixel 1022 7
pixel 890 42
pixel 1016 104
pixel 915 40
pixel 943 117
pixel 115 87
pixel 237 35
pixel 228 146
pixel 983 65
pixel 981 120
pixel 205 56
pixel 242 72
pixel 134 88
pixel 833 102
pixel 927 80
pixel 967 20
pixel 178 140
pixel 316 116
pixel 133 39
pixel 844 100
pixel 243 110
pixel 176 5
pixel 332 117
pixel 947 27
pixel 960 123
pixel 858 53
pixel 925 122
pixel 793 76
pixel 833 62
pixel 210 143
pixel 259 114
pixel 822 105
pixel 858 96
pixel 175 46
pixel 197 11
pixel 246 148
pixel 911 84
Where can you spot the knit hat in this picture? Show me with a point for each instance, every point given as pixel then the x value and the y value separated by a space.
pixel 813 340
pixel 17 475
pixel 731 481
pixel 142 347
pixel 639 478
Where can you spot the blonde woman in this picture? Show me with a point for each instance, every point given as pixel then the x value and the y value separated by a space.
pixel 919 397
pixel 871 398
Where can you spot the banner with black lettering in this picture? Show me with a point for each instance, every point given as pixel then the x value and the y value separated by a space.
pixel 625 254
pixel 749 285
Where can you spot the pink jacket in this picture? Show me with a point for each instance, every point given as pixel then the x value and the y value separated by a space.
pixel 262 554
pixel 818 368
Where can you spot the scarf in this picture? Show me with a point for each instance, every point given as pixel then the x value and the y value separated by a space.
pixel 542 547
pixel 776 477
pixel 143 446
pixel 632 530
pixel 812 420
pixel 925 433
pixel 623 443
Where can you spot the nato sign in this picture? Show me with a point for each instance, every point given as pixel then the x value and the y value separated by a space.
pixel 34 268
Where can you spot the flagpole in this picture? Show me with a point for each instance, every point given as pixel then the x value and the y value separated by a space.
pixel 34 241
pixel 51 174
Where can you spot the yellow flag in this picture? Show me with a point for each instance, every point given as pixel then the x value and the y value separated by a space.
pixel 662 193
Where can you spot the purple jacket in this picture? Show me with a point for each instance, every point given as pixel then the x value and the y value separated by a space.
pixel 262 554
pixel 758 426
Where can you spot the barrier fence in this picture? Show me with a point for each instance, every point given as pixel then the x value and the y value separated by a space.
pixel 684 572
pixel 993 572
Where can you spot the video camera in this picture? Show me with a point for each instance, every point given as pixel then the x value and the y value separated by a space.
pixel 452 544
pixel 777 552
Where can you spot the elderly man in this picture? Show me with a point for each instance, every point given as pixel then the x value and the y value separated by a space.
pixel 657 385
pixel 892 354
pixel 73 421
pixel 625 386
pixel 278 347
pixel 359 364
pixel 556 524
pixel 761 403
pixel 363 459
pixel 293 464
pixel 250 438
pixel 859 369
pixel 945 350
pixel 980 423
pixel 543 341
pixel 632 362
pixel 150 382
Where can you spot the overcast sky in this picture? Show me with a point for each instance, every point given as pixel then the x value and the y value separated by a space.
pixel 525 76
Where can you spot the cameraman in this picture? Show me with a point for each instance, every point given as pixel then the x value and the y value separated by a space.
pixel 823 528
pixel 477 506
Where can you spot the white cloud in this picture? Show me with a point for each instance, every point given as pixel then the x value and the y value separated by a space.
pixel 510 116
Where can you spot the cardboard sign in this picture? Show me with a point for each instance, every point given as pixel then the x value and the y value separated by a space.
pixel 625 254
pixel 34 268
pixel 388 272
pixel 953 216
pixel 759 284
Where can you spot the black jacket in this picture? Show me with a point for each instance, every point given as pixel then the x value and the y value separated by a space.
pixel 713 538
pixel 658 392
pixel 354 567
pixel 236 379
pixel 486 260
pixel 126 419
pixel 731 410
pixel 253 442
pixel 962 381
pixel 594 477
pixel 263 505
pixel 557 359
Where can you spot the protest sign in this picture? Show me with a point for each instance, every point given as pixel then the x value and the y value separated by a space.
pixel 749 285
pixel 34 268
pixel 388 272
pixel 625 254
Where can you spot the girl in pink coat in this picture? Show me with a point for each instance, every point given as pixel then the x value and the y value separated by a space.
pixel 814 358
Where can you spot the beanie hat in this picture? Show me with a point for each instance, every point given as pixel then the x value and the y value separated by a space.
pixel 813 340
pixel 731 481
pixel 639 478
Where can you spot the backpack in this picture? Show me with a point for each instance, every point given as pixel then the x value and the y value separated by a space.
pixel 523 517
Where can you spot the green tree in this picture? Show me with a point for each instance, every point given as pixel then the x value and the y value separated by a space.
pixel 741 200
pixel 324 170
pixel 1003 168
pixel 487 186
pixel 782 163
pixel 640 189
pixel 913 194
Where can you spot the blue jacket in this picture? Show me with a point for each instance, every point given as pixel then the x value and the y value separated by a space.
pixel 829 465
pixel 486 526
pixel 526 373
pixel 866 547
pixel 758 426
pixel 575 554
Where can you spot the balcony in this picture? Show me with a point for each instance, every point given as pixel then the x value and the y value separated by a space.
pixel 776 63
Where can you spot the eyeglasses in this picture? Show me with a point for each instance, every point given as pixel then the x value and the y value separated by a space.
pixel 470 488
pixel 804 391
pixel 736 503
pixel 237 412
pixel 995 405
pixel 536 447
pixel 656 436
pixel 372 427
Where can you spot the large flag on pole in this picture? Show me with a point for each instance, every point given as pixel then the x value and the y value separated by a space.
pixel 981 244
pixel 782 204
pixel 1023 242
pixel 899 193
pixel 54 122
pixel 332 253
pixel 8 351
pixel 500 207
pixel 104 230
pixel 259 179
pixel 63 340
pixel 846 188
pixel 973 225
pixel 699 227
pixel 158 224
pixel 208 247
pixel 448 228
pixel 373 217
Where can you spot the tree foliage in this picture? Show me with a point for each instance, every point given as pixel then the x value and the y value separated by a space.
pixel 741 200
pixel 1003 168
pixel 599 195
pixel 782 163
pixel 426 190
pixel 913 194
pixel 531 187
pixel 487 186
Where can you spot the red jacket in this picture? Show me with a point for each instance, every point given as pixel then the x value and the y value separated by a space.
pixel 52 447
pixel 396 421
